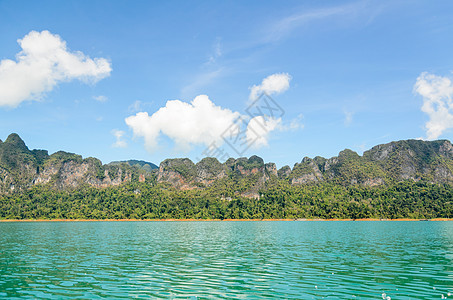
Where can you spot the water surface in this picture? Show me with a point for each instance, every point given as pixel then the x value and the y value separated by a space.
pixel 243 260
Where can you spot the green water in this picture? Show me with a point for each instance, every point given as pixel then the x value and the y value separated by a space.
pixel 242 260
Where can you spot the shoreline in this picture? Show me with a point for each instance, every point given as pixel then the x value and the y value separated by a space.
pixel 213 220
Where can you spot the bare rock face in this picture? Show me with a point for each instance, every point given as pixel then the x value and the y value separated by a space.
pixel 330 162
pixel 306 172
pixel 209 169
pixel 414 160
pixel 21 168
pixel 247 166
pixel 178 171
pixel 446 149
pixel 18 165
pixel 306 178
pixel 172 177
pixel 443 174
pixel 71 173
pixel 253 166
pixel 141 178
pixel 6 181
pixel 75 171
pixel 373 182
pixel 271 169
pixel 183 173
pixel 381 152
pixel 251 194
pixel 112 179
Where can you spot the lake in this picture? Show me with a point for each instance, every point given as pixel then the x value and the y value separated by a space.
pixel 242 260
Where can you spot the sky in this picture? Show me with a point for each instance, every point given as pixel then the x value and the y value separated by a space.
pixel 152 80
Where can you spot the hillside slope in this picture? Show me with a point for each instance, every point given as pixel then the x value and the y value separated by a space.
pixel 413 160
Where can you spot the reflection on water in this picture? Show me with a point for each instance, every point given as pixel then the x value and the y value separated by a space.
pixel 188 260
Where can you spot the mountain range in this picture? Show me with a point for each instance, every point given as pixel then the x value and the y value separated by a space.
pixel 385 164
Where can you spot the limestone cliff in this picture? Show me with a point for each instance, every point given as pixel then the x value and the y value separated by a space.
pixel 414 160
pixel 21 168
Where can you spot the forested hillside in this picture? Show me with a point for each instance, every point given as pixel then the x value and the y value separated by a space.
pixel 404 179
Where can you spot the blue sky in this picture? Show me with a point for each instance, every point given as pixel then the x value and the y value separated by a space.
pixel 347 74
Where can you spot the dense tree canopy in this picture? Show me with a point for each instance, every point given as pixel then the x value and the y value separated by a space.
pixel 419 200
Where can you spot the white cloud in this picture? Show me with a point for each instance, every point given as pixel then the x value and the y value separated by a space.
pixel 273 84
pixel 187 124
pixel 44 62
pixel 258 130
pixel 100 98
pixel 437 93
pixel 202 122
pixel 119 143
pixel 296 123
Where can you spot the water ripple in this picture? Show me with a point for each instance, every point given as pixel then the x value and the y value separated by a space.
pixel 224 260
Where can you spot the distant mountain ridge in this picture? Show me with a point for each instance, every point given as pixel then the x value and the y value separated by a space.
pixel 21 168
pixel 145 165
pixel 414 160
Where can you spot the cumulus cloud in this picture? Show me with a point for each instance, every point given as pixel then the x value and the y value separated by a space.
pixel 44 62
pixel 187 124
pixel 258 130
pixel 119 143
pixel 437 93
pixel 201 122
pixel 273 84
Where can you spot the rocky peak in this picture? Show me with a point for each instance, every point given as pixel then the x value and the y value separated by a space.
pixel 184 166
pixel 140 164
pixel 305 172
pixel 348 154
pixel 209 169
pixel 430 161
pixel 271 169
pixel 306 160
pixel 250 163
pixel 15 155
pixel 423 150
pixel 250 166
pixel 177 171
pixel 320 162
pixel 21 168
pixel 182 172
pixel 254 159
pixel 284 172
pixel 414 159
pixel 15 141
pixel 210 165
